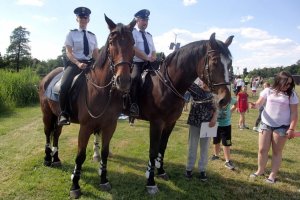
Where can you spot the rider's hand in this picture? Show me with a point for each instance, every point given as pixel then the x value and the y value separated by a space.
pixel 82 65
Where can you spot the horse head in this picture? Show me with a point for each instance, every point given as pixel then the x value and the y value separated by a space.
pixel 218 61
pixel 120 52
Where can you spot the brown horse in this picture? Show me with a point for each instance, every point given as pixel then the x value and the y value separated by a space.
pixel 99 101
pixel 161 97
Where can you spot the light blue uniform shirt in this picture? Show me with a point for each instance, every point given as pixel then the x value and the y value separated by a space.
pixel 75 40
pixel 139 43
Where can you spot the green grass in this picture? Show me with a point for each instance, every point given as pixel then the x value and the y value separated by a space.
pixel 23 176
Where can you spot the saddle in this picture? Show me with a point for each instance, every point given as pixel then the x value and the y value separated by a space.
pixel 53 89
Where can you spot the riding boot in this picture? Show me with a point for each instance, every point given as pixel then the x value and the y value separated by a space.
pixel 63 118
pixel 134 108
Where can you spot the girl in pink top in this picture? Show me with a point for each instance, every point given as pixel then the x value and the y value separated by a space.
pixel 278 123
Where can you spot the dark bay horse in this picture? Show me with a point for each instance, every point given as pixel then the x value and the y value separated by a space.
pixel 161 97
pixel 99 101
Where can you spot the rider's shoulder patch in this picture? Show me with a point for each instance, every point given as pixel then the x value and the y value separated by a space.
pixel 91 32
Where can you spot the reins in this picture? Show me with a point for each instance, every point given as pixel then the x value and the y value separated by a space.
pixel 112 83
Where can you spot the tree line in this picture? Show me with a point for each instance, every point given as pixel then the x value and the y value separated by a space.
pixel 18 56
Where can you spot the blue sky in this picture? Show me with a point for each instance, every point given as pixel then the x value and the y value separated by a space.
pixel 267 32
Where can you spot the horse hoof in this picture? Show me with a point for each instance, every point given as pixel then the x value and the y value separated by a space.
pixel 105 186
pixel 56 164
pixel 152 189
pixel 163 176
pixel 97 158
pixel 75 194
pixel 47 163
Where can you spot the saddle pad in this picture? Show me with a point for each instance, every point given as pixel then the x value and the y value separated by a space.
pixel 52 91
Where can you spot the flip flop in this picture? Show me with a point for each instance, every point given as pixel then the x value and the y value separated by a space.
pixel 270 181
pixel 255 175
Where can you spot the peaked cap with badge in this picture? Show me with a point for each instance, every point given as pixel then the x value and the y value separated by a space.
pixel 82 11
pixel 144 14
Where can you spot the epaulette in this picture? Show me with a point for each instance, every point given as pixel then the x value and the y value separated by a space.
pixel 75 29
pixel 148 33
pixel 91 32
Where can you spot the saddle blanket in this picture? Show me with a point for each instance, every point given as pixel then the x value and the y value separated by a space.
pixel 52 91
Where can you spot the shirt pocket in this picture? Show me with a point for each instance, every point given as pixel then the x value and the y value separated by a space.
pixel 92 45
pixel 78 45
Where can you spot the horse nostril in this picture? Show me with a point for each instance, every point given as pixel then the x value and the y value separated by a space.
pixel 222 102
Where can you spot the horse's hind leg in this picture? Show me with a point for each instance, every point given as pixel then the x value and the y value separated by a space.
pixel 159 161
pixel 48 129
pixel 56 133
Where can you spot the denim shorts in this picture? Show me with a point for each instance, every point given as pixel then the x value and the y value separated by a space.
pixel 281 130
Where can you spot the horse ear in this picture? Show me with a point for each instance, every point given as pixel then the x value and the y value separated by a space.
pixel 212 37
pixel 110 23
pixel 132 24
pixel 229 40
pixel 212 41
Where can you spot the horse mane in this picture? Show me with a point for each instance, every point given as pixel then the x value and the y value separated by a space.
pixel 193 51
pixel 102 55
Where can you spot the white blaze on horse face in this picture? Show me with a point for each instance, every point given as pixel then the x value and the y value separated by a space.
pixel 225 63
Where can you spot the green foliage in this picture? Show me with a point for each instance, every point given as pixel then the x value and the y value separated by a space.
pixel 18 52
pixel 271 72
pixel 18 89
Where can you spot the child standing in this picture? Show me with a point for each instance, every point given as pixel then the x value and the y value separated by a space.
pixel 242 107
pixel 202 110
pixel 278 122
pixel 224 134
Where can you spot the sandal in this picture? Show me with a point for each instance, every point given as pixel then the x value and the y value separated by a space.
pixel 255 175
pixel 270 181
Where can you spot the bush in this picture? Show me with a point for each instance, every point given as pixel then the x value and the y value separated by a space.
pixel 18 89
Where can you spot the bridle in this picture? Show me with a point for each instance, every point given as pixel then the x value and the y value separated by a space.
pixel 112 67
pixel 210 84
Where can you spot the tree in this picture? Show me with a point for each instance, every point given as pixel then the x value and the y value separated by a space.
pixel 18 51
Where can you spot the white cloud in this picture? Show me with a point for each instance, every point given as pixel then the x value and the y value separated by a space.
pixel 246 18
pixel 44 19
pixel 189 2
pixel 254 33
pixel 251 47
pixel 30 2
pixel 298 27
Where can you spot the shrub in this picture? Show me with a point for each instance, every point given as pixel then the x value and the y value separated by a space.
pixel 18 89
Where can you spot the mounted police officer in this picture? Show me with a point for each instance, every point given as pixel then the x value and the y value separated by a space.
pixel 81 47
pixel 144 53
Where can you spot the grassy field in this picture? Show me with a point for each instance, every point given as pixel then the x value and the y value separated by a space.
pixel 23 176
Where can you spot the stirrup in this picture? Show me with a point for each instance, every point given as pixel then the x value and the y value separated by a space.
pixel 134 110
pixel 63 120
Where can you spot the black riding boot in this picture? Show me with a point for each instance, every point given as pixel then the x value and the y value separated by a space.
pixel 64 115
pixel 134 108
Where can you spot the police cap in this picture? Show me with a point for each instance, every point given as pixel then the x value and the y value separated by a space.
pixel 82 11
pixel 144 14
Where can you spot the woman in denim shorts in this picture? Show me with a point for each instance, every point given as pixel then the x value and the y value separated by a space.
pixel 278 122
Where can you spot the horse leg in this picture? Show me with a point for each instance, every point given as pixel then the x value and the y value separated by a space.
pixel 107 134
pixel 155 134
pixel 56 133
pixel 96 148
pixel 83 138
pixel 48 129
pixel 159 161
